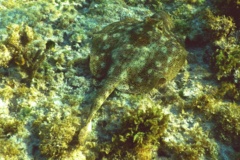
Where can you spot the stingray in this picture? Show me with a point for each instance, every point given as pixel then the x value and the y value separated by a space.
pixel 133 56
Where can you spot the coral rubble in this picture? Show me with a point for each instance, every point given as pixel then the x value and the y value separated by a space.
pixel 124 62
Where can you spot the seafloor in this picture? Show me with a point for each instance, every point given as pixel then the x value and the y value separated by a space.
pixel 46 85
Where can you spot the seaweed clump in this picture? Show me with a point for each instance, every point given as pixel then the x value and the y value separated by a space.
pixel 194 143
pixel 9 149
pixel 226 118
pixel 219 27
pixel 57 136
pixel 138 135
pixel 27 50
pixel 5 56
pixel 229 7
pixel 228 125
pixel 228 72
pixel 225 58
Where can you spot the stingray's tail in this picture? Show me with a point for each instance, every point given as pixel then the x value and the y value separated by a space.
pixel 101 95
pixel 108 86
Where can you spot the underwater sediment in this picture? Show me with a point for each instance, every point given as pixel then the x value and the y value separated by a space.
pixel 148 79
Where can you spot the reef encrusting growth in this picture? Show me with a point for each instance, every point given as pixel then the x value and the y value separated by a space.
pixel 45 81
pixel 32 77
pixel 26 50
pixel 229 8
pixel 57 136
pixel 10 129
pixel 225 58
pixel 221 116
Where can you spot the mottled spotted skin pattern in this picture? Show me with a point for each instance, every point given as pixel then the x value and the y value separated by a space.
pixel 138 55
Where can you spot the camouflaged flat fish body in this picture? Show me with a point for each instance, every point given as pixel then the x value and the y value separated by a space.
pixel 138 55
pixel 141 54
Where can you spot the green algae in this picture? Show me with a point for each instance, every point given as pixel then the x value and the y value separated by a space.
pixel 57 136
pixel 224 115
pixel 173 137
pixel 229 7
pixel 227 66
pixel 10 127
pixel 139 132
pixel 61 80
pixel 219 26
pixel 225 60
pixel 5 54
pixel 228 63
pixel 22 43
pixel 134 134
pixel 196 144
pixel 228 124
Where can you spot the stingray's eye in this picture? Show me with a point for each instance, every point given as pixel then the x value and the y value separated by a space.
pixel 156 16
pixel 160 25
pixel 164 19
pixel 162 81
